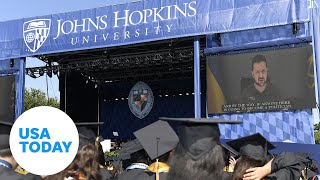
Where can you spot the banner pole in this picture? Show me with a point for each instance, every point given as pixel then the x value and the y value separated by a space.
pixel 314 23
pixel 197 100
pixel 20 83
pixel 65 92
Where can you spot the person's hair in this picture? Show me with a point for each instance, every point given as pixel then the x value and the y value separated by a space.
pixel 258 59
pixel 209 166
pixel 5 153
pixel 244 163
pixel 101 159
pixel 139 157
pixel 85 163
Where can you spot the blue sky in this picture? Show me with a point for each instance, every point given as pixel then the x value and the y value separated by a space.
pixel 17 9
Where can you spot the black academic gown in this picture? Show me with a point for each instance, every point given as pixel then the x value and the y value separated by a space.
pixel 134 174
pixel 9 174
pixel 152 176
pixel 105 174
pixel 287 165
pixel 137 174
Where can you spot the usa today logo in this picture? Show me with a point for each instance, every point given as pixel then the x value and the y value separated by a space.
pixel 44 140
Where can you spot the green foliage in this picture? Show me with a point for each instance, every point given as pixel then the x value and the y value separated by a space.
pixel 317 133
pixel 112 154
pixel 35 97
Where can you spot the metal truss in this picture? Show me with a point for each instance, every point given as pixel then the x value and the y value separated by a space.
pixel 163 64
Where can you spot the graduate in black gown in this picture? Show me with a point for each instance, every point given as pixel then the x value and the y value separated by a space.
pixel 7 162
pixel 199 154
pixel 137 168
pixel 157 139
pixel 256 163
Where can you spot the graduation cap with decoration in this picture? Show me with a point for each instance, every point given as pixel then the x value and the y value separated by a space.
pixel 198 135
pixel 5 128
pixel 254 146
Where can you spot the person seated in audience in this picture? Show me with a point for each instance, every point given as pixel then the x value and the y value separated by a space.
pixel 158 139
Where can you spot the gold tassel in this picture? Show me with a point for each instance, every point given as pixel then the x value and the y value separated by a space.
pixel 157 170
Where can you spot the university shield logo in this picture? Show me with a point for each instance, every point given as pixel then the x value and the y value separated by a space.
pixel 35 33
pixel 140 100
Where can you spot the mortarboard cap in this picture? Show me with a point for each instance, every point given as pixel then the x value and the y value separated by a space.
pixel 86 136
pixel 228 150
pixel 198 135
pixel 255 146
pixel 157 138
pixel 5 128
pixel 129 148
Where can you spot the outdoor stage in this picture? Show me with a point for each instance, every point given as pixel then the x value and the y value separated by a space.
pixel 103 52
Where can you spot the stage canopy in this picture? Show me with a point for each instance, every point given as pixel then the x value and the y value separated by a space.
pixel 142 21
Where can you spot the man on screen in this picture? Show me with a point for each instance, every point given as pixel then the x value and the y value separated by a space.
pixel 261 90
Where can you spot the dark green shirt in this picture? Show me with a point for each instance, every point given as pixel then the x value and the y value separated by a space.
pixel 270 94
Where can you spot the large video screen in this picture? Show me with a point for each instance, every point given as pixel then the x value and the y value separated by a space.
pixel 7 98
pixel 272 80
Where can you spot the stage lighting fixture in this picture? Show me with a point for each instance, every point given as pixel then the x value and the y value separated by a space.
pixel 41 72
pixel 295 28
pixel 180 94
pixel 96 85
pixel 87 81
pixel 11 63
pixel 218 38
pixel 49 72
pixel 31 74
pixel 55 71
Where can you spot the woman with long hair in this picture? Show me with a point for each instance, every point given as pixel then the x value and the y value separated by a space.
pixel 208 167
pixel 85 166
